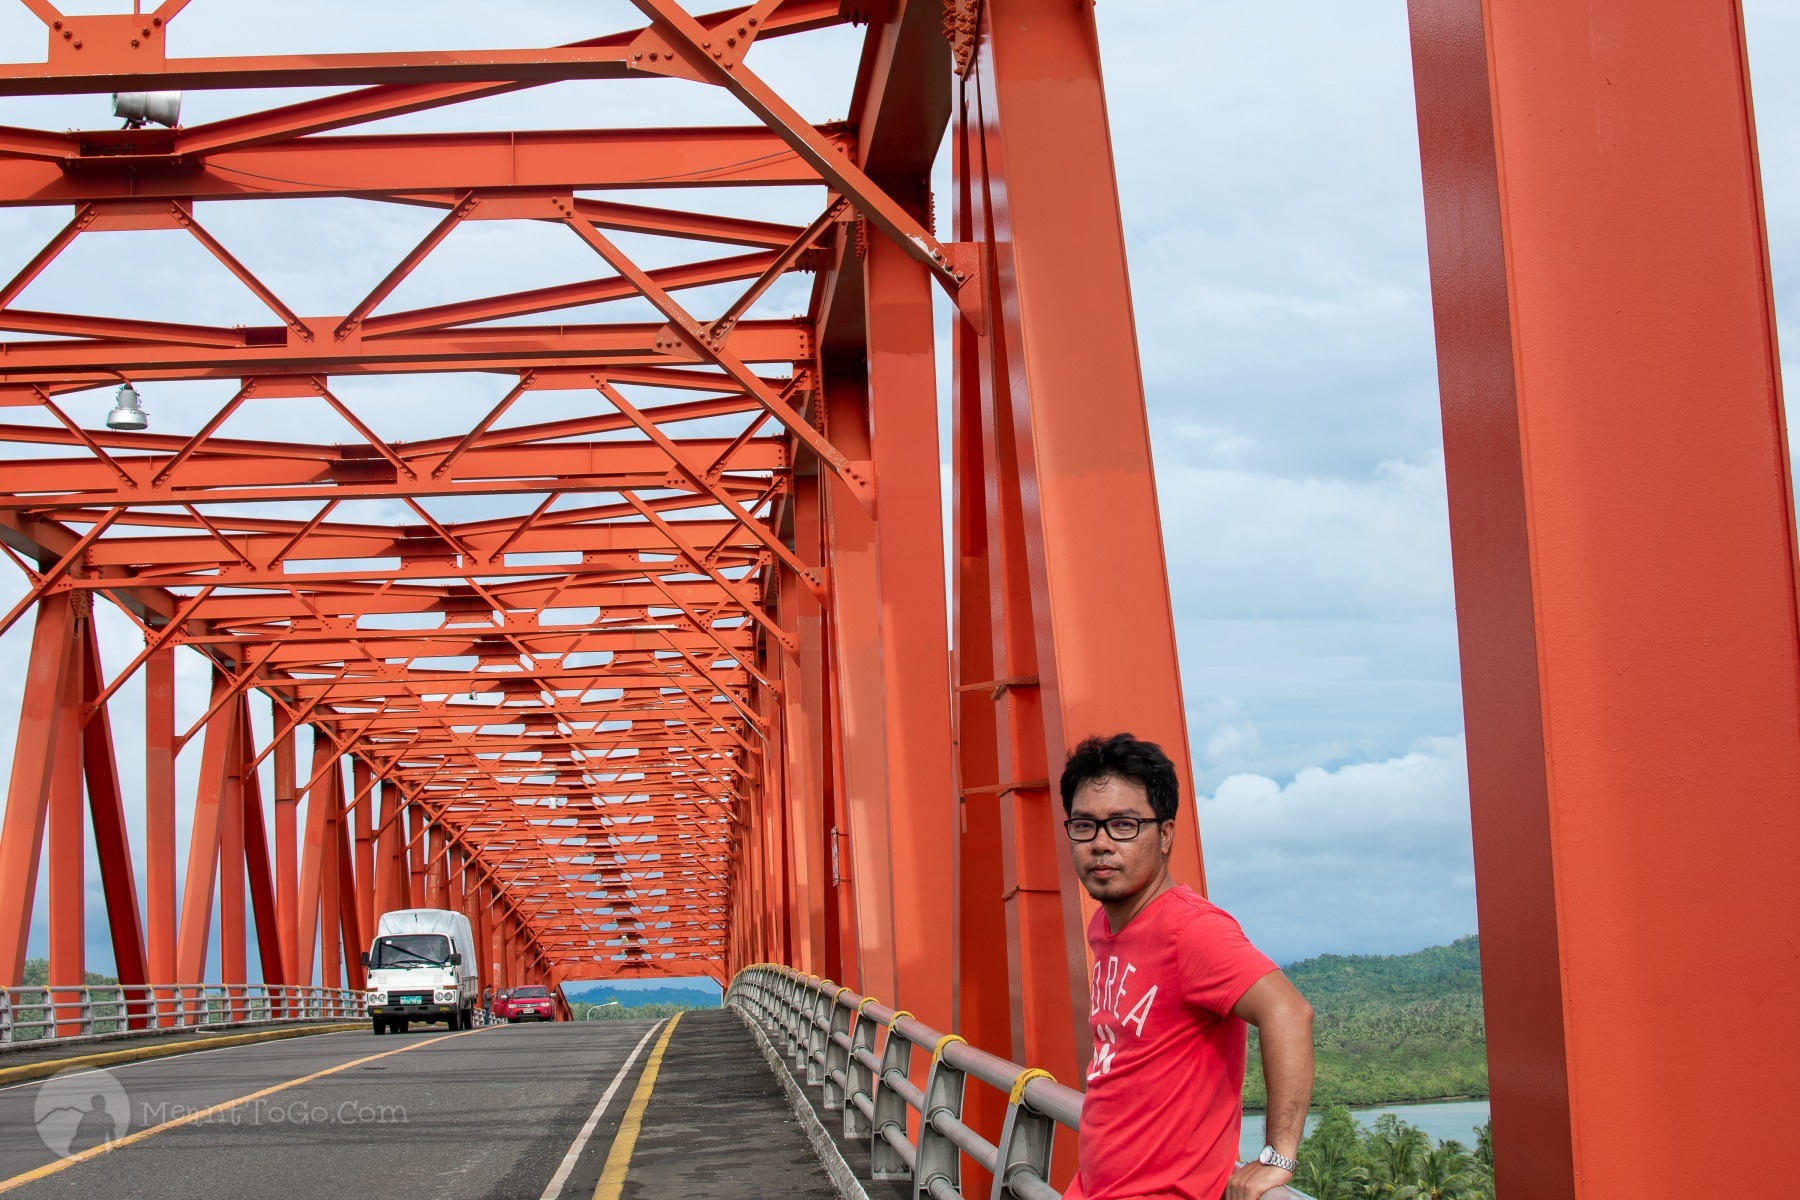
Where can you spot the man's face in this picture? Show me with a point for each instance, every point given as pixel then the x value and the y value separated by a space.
pixel 1117 870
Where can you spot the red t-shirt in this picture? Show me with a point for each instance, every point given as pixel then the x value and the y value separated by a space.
pixel 1165 1087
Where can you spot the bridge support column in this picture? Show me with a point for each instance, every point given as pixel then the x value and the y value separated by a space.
pixel 810 783
pixel 1056 485
pixel 287 865
pixel 350 888
pixel 417 822
pixel 233 935
pixel 861 837
pixel 333 895
pixel 159 822
pixel 313 858
pixel 271 937
pixel 915 659
pixel 67 848
pixel 112 842
pixel 28 795
pixel 363 821
pixel 1623 535
pixel 434 865
pixel 218 750
pixel 390 851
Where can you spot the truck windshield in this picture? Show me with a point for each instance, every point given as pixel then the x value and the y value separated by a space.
pixel 410 950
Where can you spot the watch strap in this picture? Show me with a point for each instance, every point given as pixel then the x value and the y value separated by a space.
pixel 1275 1158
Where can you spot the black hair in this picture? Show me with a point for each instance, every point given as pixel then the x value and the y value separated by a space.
pixel 1123 756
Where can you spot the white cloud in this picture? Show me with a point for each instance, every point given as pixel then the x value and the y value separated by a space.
pixel 1372 857
pixel 1275 544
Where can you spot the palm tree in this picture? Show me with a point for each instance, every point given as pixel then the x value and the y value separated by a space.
pixel 1330 1158
pixel 1448 1172
pixel 1395 1151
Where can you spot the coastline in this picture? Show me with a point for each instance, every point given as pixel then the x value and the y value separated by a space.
pixel 1380 1104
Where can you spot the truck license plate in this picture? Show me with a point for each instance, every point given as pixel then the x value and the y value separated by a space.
pixel 409 1000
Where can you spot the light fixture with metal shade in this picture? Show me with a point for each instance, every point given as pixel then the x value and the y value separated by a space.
pixel 141 108
pixel 126 415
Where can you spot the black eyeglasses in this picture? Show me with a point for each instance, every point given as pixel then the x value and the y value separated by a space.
pixel 1119 829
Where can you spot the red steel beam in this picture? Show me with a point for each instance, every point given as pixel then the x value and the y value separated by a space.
pixel 398 165
pixel 486 349
pixel 1104 642
pixel 1622 532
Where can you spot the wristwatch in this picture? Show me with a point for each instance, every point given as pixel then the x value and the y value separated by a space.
pixel 1271 1157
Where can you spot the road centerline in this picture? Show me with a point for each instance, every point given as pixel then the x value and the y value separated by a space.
pixel 618 1161
pixel 554 1188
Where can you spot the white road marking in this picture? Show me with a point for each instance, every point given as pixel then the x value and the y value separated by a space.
pixel 555 1186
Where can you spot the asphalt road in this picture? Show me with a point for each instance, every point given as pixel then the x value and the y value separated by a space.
pixel 487 1113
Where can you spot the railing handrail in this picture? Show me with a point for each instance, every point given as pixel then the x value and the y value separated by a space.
pixel 68 1010
pixel 830 1032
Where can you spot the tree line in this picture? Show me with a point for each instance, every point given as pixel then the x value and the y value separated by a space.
pixel 1340 1160
pixel 1391 1028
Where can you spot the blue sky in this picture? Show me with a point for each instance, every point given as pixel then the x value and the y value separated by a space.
pixel 1269 178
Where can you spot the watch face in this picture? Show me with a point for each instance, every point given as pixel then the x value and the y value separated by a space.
pixel 1267 1156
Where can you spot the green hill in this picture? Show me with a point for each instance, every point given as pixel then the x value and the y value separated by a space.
pixel 37 973
pixel 1391 1028
pixel 686 997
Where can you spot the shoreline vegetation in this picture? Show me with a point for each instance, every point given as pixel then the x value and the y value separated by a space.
pixel 1319 1108
pixel 1391 1028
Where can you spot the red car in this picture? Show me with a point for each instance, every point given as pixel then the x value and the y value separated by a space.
pixel 525 1004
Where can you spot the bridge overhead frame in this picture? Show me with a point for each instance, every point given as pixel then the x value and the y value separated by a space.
pixel 762 747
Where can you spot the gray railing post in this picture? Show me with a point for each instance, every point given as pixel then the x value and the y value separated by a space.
pixel 758 993
pixel 817 1023
pixel 1026 1140
pixel 939 1158
pixel 786 992
pixel 800 1002
pixel 6 1016
pixel 859 1080
pixel 890 1106
pixel 837 1057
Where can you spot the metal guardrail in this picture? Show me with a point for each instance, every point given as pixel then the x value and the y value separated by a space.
pixel 44 1012
pixel 831 1033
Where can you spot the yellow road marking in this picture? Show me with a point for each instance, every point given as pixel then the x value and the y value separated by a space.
pixel 612 1178
pixel 112 1058
pixel 7 1185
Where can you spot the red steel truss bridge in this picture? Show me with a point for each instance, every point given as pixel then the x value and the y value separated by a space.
pixel 634 616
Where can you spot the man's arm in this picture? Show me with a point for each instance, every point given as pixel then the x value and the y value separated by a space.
pixel 1284 1027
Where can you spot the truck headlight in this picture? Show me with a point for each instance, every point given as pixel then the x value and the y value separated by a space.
pixel 377 996
pixel 446 994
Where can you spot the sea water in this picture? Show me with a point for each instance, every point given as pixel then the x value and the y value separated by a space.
pixel 1442 1121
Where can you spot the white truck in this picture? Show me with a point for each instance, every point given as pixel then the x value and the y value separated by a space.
pixel 422 967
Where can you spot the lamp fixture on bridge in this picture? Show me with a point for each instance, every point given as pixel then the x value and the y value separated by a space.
pixel 126 414
pixel 141 108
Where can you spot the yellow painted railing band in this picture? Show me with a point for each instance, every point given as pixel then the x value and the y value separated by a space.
pixel 1025 1077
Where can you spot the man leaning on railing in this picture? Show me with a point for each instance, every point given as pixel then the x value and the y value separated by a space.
pixel 1175 982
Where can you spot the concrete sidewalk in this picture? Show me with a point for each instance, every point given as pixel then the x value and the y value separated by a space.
pixel 719 1125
